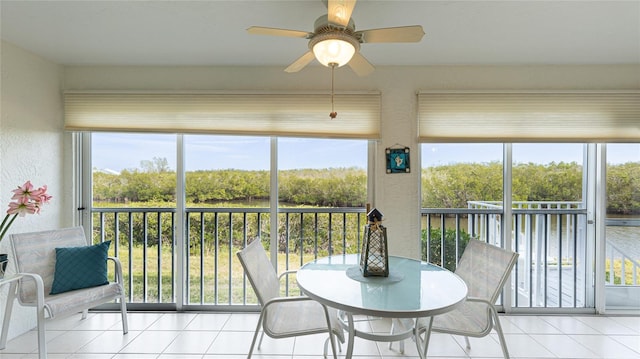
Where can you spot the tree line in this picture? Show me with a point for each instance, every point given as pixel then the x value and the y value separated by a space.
pixel 446 186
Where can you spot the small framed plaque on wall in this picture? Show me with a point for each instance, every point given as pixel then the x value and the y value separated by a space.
pixel 398 160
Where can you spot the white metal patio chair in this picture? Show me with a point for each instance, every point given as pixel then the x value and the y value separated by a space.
pixel 36 260
pixel 485 269
pixel 283 317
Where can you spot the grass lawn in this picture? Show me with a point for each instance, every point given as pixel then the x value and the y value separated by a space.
pixel 203 273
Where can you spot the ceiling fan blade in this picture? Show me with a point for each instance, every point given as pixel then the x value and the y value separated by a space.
pixel 258 30
pixel 393 34
pixel 301 62
pixel 360 65
pixel 340 11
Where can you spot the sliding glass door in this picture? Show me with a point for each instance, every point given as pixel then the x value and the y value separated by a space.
pixel 622 235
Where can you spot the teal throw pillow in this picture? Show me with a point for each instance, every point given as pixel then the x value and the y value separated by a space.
pixel 80 267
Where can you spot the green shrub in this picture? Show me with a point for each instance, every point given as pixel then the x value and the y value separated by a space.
pixel 451 255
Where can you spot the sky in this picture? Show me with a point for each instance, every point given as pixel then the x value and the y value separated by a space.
pixel 116 152
pixel 125 151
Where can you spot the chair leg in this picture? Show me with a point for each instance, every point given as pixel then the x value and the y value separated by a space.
pixel 393 328
pixel 466 340
pixel 8 309
pixel 260 341
pixel 85 313
pixel 326 346
pixel 123 311
pixel 255 335
pixel 332 338
pixel 42 341
pixel 422 351
pixel 498 327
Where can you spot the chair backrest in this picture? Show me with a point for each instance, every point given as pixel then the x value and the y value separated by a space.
pixel 485 269
pixel 261 273
pixel 35 252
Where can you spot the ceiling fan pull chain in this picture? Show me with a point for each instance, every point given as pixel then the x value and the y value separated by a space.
pixel 333 113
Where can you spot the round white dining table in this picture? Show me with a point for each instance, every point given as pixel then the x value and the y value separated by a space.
pixel 413 289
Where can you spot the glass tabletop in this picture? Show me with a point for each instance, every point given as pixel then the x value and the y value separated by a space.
pixel 412 289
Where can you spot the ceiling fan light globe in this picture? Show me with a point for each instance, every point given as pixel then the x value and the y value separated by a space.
pixel 331 51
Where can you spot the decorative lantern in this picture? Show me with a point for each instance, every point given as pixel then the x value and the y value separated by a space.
pixel 374 257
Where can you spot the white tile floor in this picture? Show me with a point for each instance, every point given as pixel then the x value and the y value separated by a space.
pixel 228 335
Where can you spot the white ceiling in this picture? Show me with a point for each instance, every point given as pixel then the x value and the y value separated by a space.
pixel 210 33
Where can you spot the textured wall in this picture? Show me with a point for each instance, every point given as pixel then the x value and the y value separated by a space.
pixel 31 148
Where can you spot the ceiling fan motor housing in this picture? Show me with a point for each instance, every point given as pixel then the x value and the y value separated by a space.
pixel 322 26
pixel 325 30
pixel 335 36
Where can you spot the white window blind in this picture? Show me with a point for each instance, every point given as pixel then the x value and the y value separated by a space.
pixel 529 117
pixel 276 114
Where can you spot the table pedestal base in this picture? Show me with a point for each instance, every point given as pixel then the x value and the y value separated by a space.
pixel 401 329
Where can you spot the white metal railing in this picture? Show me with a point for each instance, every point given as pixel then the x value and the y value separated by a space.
pixel 145 241
pixel 550 237
pixel 621 268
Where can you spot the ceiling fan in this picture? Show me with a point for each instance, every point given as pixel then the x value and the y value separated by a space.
pixel 335 41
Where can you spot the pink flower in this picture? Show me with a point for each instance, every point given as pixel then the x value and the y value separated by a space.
pixel 23 207
pixel 40 195
pixel 24 191
pixel 25 200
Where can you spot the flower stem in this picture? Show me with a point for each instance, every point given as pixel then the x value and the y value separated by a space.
pixel 3 228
